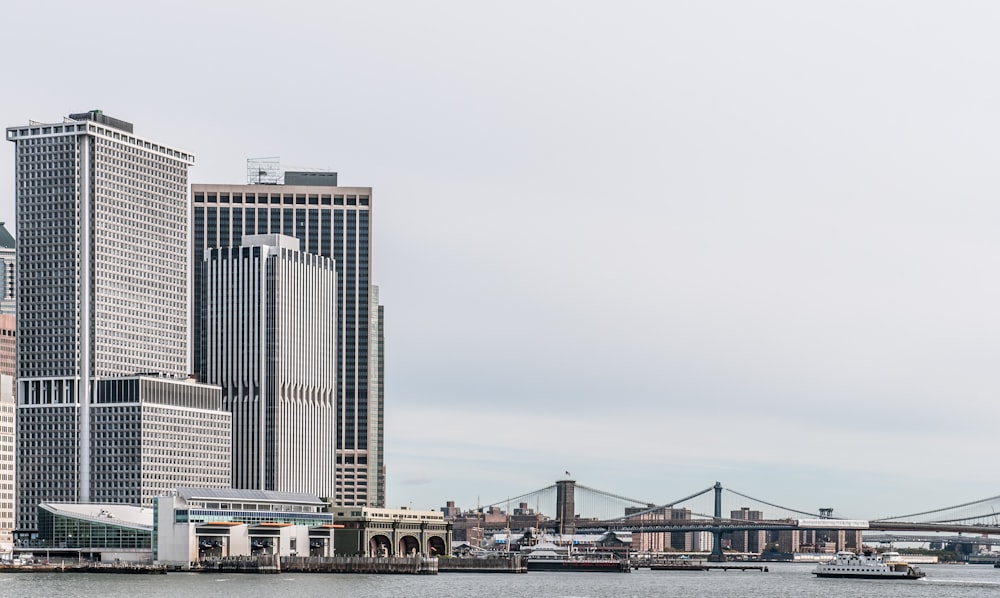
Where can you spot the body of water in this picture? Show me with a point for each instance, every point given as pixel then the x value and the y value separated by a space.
pixel 783 579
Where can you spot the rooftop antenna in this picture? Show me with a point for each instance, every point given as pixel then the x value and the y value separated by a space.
pixel 264 171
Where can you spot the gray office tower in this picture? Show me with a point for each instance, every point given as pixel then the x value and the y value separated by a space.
pixel 8 272
pixel 271 335
pixel 333 222
pixel 104 407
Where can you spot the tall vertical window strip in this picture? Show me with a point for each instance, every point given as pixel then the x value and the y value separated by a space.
pixel 313 247
pixel 262 221
pixel 324 247
pixel 275 220
pixel 224 238
pixel 212 232
pixel 289 228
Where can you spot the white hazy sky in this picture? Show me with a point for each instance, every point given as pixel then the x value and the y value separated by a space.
pixel 657 244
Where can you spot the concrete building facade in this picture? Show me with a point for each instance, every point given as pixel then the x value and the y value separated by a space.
pixel 8 461
pixel 102 269
pixel 334 222
pixel 102 292
pixel 271 330
pixel 8 345
pixel 369 531
pixel 196 524
pixel 148 435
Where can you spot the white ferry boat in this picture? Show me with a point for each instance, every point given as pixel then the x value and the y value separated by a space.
pixel 887 565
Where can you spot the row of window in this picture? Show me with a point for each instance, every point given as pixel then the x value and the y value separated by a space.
pixel 282 199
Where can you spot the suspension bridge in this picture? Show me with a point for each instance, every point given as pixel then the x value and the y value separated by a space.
pixel 579 508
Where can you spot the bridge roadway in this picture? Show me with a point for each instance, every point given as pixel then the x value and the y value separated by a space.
pixel 690 525
pixel 892 538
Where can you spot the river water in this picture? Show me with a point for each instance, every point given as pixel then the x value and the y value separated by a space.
pixel 783 579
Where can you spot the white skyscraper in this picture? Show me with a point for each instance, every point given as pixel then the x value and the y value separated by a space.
pixel 102 285
pixel 271 314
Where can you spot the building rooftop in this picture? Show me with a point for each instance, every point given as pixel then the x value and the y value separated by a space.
pixel 104 119
pixel 235 494
pixel 272 240
pixel 6 239
pixel 107 513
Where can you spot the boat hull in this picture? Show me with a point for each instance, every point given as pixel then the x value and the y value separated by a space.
pixel 869 575
pixel 578 565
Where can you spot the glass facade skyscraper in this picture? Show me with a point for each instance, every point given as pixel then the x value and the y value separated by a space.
pixel 334 222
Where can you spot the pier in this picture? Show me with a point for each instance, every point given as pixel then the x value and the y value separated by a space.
pixel 119 568
pixel 698 565
pixel 513 564
pixel 401 565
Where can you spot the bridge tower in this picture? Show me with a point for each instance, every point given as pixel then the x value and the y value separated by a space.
pixel 717 556
pixel 566 506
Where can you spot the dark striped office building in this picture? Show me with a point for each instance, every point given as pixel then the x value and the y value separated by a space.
pixel 334 222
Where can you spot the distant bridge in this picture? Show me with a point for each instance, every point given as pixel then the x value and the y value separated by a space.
pixel 977 518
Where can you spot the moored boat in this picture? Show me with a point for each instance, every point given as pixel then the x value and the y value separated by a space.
pixel 590 563
pixel 550 557
pixel 888 565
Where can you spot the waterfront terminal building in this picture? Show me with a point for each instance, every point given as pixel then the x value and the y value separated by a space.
pixel 370 531
pixel 196 524
pixel 193 526
pixel 103 532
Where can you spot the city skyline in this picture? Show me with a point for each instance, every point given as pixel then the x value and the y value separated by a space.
pixel 752 242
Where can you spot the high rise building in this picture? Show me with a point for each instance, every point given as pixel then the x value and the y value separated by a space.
pixel 102 292
pixel 8 345
pixel 334 222
pixel 271 330
pixel 747 540
pixel 7 462
pixel 8 272
pixel 660 541
pixel 376 382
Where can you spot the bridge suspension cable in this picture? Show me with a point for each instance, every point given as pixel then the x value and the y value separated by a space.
pixel 611 495
pixel 517 498
pixel 663 506
pixel 764 502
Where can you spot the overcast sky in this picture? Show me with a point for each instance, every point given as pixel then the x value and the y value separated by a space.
pixel 656 244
